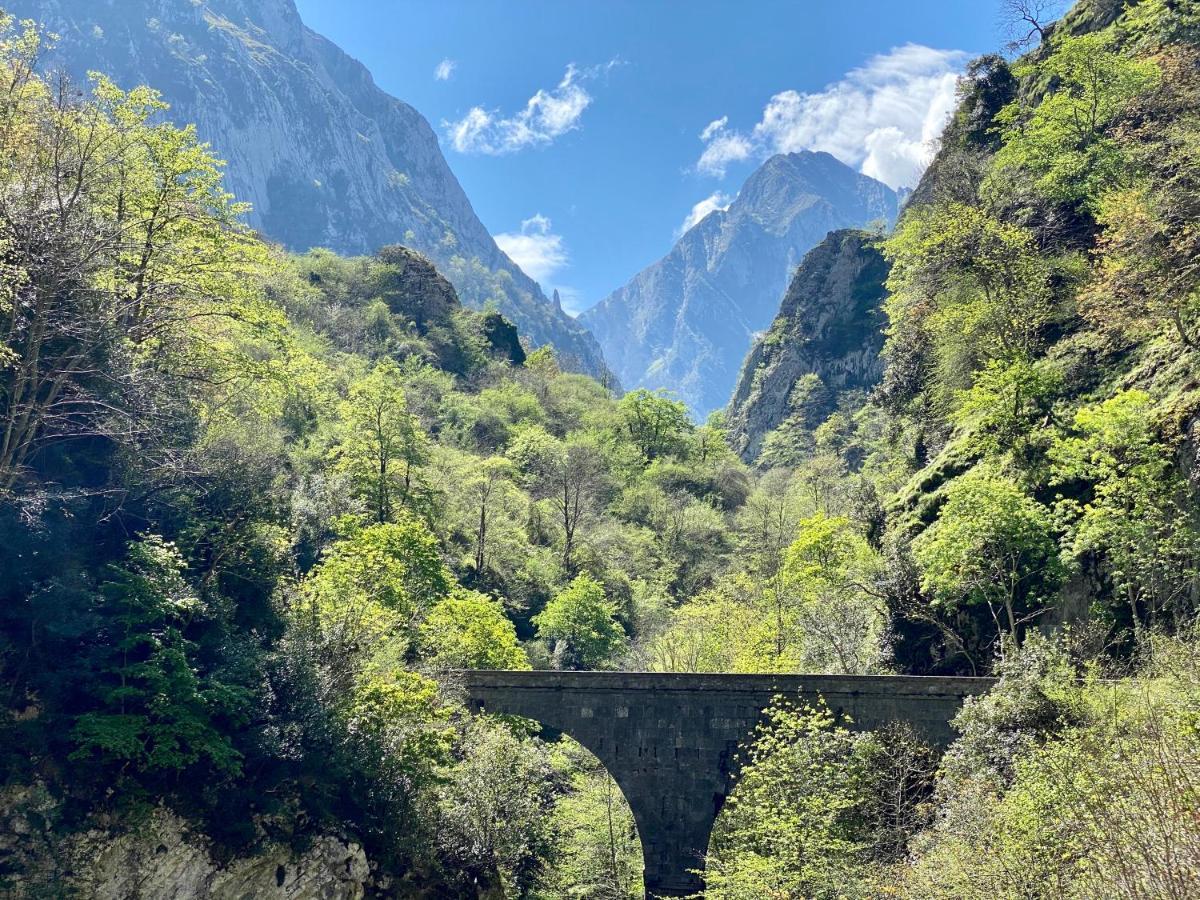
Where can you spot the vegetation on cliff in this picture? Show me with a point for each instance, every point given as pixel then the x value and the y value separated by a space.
pixel 256 506
pixel 1029 457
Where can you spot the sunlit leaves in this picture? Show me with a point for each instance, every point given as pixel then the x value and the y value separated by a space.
pixel 991 545
pixel 1140 514
pixel 470 631
pixel 581 626
pixel 1061 136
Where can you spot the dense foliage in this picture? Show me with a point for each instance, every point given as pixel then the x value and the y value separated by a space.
pixel 256 509
pixel 1032 447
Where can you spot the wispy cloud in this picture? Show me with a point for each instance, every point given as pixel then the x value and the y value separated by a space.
pixel 700 211
pixel 883 118
pixel 547 115
pixel 723 147
pixel 536 249
pixel 542 255
pixel 445 69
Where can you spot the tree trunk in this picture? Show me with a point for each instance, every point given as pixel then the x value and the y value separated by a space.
pixel 479 546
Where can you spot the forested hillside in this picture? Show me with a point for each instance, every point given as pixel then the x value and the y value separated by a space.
pixel 257 506
pixel 253 502
pixel 1021 494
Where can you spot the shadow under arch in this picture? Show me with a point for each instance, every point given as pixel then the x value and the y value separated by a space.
pixel 670 740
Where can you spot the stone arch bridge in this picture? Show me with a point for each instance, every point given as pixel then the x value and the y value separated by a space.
pixel 669 740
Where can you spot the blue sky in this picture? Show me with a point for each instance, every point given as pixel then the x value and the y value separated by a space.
pixel 586 134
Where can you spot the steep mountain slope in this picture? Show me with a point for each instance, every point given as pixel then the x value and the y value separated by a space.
pixel 325 157
pixel 686 322
pixel 830 325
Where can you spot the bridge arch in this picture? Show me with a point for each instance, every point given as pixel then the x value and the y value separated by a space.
pixel 670 740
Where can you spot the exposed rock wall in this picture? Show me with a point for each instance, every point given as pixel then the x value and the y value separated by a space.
pixel 325 157
pixel 161 859
pixel 830 324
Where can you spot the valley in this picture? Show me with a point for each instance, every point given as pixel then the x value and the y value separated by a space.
pixel 851 549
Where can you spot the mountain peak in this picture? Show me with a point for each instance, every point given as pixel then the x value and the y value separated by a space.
pixel 805 161
pixel 686 322
pixel 793 157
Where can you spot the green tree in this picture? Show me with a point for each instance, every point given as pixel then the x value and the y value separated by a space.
pixel 731 627
pixel 828 579
pixel 495 811
pixel 486 483
pixel 396 738
pixel 541 370
pixel 470 631
pixel 992 545
pixel 657 425
pixel 571 475
pixel 380 444
pixel 128 277
pixel 1062 135
pixel 792 827
pixel 156 706
pixel 1140 517
pixel 366 598
pixel 581 625
pixel 1009 407
pixel 711 440
pixel 1146 278
pixel 598 854
pixel 981 286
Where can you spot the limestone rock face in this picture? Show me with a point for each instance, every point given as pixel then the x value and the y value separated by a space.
pixel 829 325
pixel 427 295
pixel 325 157
pixel 161 859
pixel 687 322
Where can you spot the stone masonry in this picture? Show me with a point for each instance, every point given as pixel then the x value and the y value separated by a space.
pixel 670 740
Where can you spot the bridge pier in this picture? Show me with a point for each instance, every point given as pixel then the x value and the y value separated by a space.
pixel 674 844
pixel 670 740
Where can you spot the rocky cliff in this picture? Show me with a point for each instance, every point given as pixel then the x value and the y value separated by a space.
pixel 325 157
pixel 830 325
pixel 161 856
pixel 686 322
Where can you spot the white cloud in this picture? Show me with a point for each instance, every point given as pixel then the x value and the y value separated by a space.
pixel 536 249
pixel 723 147
pixel 883 118
pixel 542 255
pixel 445 69
pixel 711 203
pixel 547 115
pixel 714 127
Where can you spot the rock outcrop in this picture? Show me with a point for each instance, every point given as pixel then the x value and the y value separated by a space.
pixel 416 288
pixel 325 157
pixel 160 858
pixel 830 325
pixel 687 322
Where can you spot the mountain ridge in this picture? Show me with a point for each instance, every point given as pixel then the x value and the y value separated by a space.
pixel 686 322
pixel 323 155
